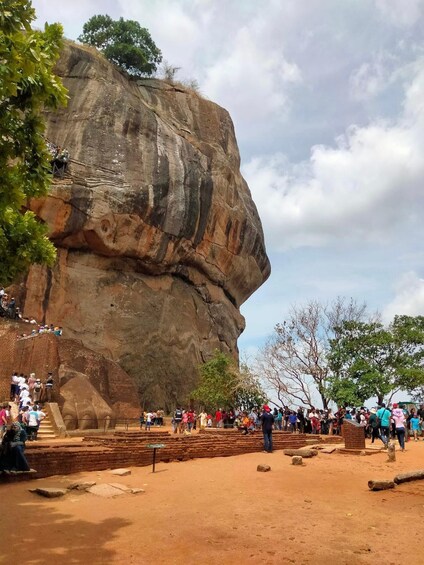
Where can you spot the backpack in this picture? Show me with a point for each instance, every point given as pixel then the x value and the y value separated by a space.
pixel 178 415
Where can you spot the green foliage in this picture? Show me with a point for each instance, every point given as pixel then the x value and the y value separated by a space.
pixel 124 42
pixel 223 385
pixel 27 86
pixel 368 359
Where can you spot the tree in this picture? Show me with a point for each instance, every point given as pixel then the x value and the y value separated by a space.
pixel 27 86
pixel 294 363
pixel 368 359
pixel 124 42
pixel 223 385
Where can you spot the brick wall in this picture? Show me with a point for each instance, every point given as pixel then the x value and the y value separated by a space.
pixel 354 436
pixel 125 449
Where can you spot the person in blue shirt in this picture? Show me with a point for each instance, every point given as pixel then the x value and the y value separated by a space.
pixel 415 426
pixel 384 414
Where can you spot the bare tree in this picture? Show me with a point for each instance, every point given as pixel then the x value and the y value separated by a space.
pixel 293 362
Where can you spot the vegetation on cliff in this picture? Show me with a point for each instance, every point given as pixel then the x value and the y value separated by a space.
pixel 123 42
pixel 27 86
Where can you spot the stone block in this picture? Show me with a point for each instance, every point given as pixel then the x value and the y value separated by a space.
pixel 121 472
pixel 297 460
pixel 263 468
pixel 49 492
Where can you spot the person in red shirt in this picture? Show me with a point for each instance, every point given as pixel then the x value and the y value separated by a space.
pixel 190 420
pixel 218 418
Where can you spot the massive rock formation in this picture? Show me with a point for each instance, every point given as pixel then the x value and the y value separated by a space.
pixel 159 241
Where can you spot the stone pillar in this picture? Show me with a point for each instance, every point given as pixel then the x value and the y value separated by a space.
pixel 354 435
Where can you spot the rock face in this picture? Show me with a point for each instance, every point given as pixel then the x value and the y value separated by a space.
pixel 91 390
pixel 159 241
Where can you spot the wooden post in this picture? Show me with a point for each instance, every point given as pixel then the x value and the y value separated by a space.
pixel 380 485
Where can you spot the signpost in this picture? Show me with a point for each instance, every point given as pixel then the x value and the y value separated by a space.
pixel 155 446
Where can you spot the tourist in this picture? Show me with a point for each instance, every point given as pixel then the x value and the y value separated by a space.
pixel 190 420
pixel 38 390
pixel 48 386
pixel 218 418
pixel 3 420
pixel 14 386
pixel 210 422
pixel 184 422
pixel 384 415
pixel 203 418
pixel 177 419
pixel 149 417
pixel 301 420
pixel 279 419
pixel 267 421
pixel 142 420
pixel 415 426
pixel 374 425
pixel 292 421
pixel 399 421
pixel 32 424
pixel 31 383
pixel 315 421
pixel 12 456
pixel 330 418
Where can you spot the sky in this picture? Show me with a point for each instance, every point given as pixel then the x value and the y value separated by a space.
pixel 327 99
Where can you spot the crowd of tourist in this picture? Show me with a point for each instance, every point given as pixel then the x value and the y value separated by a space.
pixel 9 309
pixel 20 418
pixel 379 423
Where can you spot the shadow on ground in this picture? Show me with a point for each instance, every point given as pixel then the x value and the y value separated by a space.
pixel 44 536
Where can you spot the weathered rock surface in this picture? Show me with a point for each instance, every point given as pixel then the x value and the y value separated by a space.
pixel 121 472
pixel 297 460
pixel 81 485
pixel 105 490
pixel 49 492
pixel 263 468
pixel 159 241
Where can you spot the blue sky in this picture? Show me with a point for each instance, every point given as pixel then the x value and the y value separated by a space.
pixel 327 98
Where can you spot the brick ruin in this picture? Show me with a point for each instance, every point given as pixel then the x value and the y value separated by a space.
pixel 129 449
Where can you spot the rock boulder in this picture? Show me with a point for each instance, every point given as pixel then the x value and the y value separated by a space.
pixel 159 241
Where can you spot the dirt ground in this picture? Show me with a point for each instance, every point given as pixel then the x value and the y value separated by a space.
pixel 223 511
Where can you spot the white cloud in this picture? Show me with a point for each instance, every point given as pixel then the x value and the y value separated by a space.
pixel 409 297
pixel 371 78
pixel 362 189
pixel 401 13
pixel 251 80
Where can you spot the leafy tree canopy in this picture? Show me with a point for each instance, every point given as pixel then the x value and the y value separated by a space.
pixel 223 385
pixel 27 86
pixel 368 359
pixel 124 42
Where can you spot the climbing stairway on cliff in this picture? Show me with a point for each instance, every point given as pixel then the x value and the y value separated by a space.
pixel 46 430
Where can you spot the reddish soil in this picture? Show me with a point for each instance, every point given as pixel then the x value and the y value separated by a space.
pixel 223 511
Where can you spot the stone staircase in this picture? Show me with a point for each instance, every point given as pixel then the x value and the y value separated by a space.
pixel 46 431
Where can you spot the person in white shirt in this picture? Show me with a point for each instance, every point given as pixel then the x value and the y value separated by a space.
pixel 149 416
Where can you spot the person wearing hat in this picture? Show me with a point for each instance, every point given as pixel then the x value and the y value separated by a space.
pixel 37 391
pixel 267 422
pixel 399 420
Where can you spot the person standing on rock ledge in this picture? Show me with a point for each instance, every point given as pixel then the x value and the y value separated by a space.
pixel 267 421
